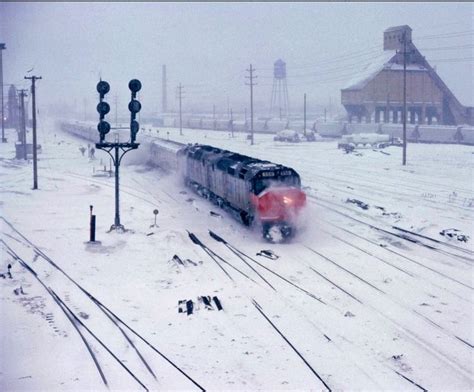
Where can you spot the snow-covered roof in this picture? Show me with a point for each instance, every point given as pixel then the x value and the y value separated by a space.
pixel 383 62
pixel 359 80
pixel 396 28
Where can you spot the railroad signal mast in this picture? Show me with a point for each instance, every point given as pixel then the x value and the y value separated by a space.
pixel 120 149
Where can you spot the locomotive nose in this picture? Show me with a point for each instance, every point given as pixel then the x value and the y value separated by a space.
pixel 279 203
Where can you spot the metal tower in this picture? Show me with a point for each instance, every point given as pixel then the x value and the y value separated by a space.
pixel 280 105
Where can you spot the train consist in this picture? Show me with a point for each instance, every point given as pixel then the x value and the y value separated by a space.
pixel 257 192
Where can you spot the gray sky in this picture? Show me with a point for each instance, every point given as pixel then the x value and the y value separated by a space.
pixel 208 46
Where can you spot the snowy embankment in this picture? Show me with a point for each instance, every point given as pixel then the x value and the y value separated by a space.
pixel 369 295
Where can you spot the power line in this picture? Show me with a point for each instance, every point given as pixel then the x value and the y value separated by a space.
pixel 448 48
pixel 453 60
pixel 344 57
pixel 447 35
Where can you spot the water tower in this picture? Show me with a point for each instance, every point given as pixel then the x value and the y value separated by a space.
pixel 279 106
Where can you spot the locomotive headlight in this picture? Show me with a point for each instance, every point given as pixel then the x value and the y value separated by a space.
pixel 287 200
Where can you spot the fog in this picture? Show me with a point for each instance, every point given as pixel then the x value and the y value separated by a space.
pixel 208 47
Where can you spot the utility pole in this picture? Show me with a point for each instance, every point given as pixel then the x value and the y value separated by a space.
pixel 404 42
pixel 180 96
pixel 251 84
pixel 22 94
pixel 325 113
pixel 2 47
pixel 304 126
pixel 35 156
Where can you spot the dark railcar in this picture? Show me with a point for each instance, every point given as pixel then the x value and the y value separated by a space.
pixel 256 191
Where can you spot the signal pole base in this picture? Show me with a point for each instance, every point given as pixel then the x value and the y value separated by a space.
pixel 97 243
pixel 4 140
pixel 118 228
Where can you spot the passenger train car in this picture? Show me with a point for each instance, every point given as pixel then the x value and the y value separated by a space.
pixel 257 192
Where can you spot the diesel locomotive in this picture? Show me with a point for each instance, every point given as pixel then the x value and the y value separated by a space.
pixel 255 191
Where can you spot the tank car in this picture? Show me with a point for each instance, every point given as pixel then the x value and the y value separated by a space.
pixel 255 191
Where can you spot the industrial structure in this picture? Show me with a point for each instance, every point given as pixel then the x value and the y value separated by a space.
pixel 377 94
pixel 280 104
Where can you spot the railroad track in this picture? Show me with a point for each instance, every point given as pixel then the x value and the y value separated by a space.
pixel 241 255
pixel 135 193
pixel 416 339
pixel 407 259
pixel 394 193
pixel 379 291
pixel 407 237
pixel 104 319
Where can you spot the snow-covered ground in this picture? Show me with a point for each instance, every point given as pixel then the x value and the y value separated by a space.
pixel 369 298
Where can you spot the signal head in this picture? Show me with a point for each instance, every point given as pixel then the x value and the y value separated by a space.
pixel 103 127
pixel 134 127
pixel 134 106
pixel 103 108
pixel 134 85
pixel 103 87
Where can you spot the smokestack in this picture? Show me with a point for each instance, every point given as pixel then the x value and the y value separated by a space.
pixel 164 109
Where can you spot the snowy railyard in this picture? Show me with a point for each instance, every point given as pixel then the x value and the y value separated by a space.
pixel 368 295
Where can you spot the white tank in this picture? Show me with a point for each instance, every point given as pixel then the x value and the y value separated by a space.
pixel 365 138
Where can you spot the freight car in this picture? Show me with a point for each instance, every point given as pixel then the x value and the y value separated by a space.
pixel 255 191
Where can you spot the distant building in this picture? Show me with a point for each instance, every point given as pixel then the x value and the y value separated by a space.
pixel 377 94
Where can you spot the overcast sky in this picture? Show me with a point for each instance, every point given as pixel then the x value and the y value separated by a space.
pixel 208 46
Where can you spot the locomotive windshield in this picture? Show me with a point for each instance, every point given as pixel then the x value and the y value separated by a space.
pixel 260 184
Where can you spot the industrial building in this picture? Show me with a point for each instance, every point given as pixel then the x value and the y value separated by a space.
pixel 376 95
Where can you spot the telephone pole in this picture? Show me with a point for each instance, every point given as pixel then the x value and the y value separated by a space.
pixel 35 164
pixel 404 42
pixel 304 126
pixel 2 47
pixel 22 95
pixel 251 84
pixel 180 96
